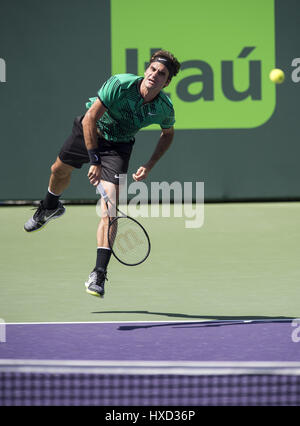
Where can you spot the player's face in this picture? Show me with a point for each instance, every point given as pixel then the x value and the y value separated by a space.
pixel 156 76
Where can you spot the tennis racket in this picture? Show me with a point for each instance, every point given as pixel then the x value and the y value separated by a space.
pixel 127 238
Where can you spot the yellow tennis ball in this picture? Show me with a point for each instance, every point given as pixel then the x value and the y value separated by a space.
pixel 277 76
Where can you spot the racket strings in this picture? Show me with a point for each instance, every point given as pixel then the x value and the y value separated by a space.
pixel 112 232
pixel 128 240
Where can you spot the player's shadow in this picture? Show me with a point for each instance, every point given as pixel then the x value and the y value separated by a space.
pixel 204 320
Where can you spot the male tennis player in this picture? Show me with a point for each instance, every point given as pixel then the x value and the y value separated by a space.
pixel 104 137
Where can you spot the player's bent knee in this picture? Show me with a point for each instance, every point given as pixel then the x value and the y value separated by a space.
pixel 61 170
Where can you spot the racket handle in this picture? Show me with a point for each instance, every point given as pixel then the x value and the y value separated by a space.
pixel 100 190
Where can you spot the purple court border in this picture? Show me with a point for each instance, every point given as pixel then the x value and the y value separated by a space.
pixel 152 341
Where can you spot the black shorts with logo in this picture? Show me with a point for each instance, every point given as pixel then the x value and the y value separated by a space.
pixel 114 155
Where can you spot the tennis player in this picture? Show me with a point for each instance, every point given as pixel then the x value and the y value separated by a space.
pixel 104 137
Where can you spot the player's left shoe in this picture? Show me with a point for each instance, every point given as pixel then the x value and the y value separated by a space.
pixel 96 282
pixel 42 216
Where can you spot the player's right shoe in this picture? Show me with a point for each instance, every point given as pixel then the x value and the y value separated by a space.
pixel 95 283
pixel 42 216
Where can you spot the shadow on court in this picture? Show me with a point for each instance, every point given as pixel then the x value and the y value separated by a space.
pixel 206 321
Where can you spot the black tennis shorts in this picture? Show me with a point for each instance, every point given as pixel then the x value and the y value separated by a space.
pixel 114 155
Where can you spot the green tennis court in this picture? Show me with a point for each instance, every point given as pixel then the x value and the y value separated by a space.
pixel 242 263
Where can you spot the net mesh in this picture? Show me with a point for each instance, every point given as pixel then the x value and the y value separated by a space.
pixel 147 389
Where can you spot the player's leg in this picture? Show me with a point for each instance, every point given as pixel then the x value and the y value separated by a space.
pixel 59 181
pixel 72 155
pixel 51 208
pixel 96 282
pixel 112 190
pixel 114 162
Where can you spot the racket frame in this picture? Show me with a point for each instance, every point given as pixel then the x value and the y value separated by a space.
pixel 107 200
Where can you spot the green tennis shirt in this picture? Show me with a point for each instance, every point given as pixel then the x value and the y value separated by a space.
pixel 126 113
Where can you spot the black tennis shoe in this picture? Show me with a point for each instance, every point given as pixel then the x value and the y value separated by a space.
pixel 42 216
pixel 95 284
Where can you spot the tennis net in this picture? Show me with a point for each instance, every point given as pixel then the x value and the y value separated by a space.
pixel 75 383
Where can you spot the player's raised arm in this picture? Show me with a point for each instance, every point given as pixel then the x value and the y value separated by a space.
pixel 162 146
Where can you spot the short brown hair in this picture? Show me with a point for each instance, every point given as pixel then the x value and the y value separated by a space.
pixel 173 63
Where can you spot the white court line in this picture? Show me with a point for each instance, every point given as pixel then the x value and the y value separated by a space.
pixel 120 363
pixel 150 367
pixel 154 322
pixel 100 322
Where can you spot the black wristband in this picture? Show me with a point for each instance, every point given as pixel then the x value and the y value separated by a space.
pixel 95 158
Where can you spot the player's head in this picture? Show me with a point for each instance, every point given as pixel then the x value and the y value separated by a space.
pixel 168 59
pixel 162 68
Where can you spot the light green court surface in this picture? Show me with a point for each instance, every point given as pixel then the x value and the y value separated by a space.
pixel 243 262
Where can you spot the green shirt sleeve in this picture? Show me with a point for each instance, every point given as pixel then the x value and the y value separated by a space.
pixel 168 121
pixel 109 91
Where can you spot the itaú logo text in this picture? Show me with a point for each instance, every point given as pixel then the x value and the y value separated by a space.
pixel 206 76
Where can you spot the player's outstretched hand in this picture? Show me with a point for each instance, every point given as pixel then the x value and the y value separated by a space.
pixel 141 173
